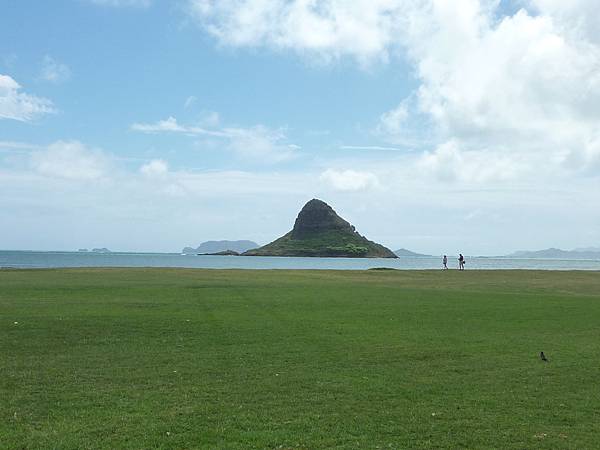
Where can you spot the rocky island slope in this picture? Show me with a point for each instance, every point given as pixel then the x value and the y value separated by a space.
pixel 320 232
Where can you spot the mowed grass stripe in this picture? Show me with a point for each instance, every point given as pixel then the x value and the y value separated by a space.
pixel 178 358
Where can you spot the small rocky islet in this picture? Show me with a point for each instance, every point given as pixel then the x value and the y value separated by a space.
pixel 320 232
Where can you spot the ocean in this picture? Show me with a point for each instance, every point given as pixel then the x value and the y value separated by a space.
pixel 39 260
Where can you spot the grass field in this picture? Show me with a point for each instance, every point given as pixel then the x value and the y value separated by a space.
pixel 177 358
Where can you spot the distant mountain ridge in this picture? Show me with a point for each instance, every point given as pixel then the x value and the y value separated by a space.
pixel 221 246
pixel 319 232
pixel 557 253
pixel 588 249
pixel 407 253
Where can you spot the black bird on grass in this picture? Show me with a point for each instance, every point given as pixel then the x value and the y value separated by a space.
pixel 543 357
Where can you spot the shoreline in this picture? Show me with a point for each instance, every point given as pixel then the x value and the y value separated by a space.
pixel 249 269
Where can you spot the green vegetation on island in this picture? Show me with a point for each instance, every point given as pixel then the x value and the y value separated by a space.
pixel 224 253
pixel 183 358
pixel 319 231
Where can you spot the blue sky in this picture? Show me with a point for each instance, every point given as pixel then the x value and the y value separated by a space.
pixel 437 126
pixel 133 64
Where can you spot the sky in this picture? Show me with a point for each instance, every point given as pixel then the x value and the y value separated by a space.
pixel 439 126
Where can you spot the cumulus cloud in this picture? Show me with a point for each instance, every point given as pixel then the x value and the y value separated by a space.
pixel 349 180
pixel 70 160
pixel 17 105
pixel 328 29
pixel 155 168
pixel 258 143
pixel 576 17
pixel 519 76
pixel 54 71
pixel 392 122
pixel 495 86
pixel 520 90
pixel 450 162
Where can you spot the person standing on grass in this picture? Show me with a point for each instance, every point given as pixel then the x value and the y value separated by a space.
pixel 461 262
pixel 445 262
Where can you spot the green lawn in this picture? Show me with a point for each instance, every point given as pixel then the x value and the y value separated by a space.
pixel 177 358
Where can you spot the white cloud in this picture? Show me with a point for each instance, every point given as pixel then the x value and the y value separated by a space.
pixel 498 87
pixel 126 210
pixel 261 143
pixel 449 162
pixel 404 125
pixel 54 71
pixel 51 205
pixel 258 143
pixel 328 29
pixel 520 75
pixel 17 105
pixel 70 160
pixel 190 101
pixel 155 168
pixel 392 122
pixel 350 180
pixel 170 125
pixel 18 146
pixel 518 87
pixel 576 17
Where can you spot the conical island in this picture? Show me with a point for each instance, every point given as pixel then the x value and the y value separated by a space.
pixel 319 231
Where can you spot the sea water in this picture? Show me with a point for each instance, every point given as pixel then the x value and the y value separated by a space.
pixel 32 260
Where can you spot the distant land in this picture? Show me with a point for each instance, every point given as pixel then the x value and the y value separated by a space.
pixel 557 253
pixel 320 232
pixel 95 250
pixel 224 253
pixel 212 247
pixel 407 253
